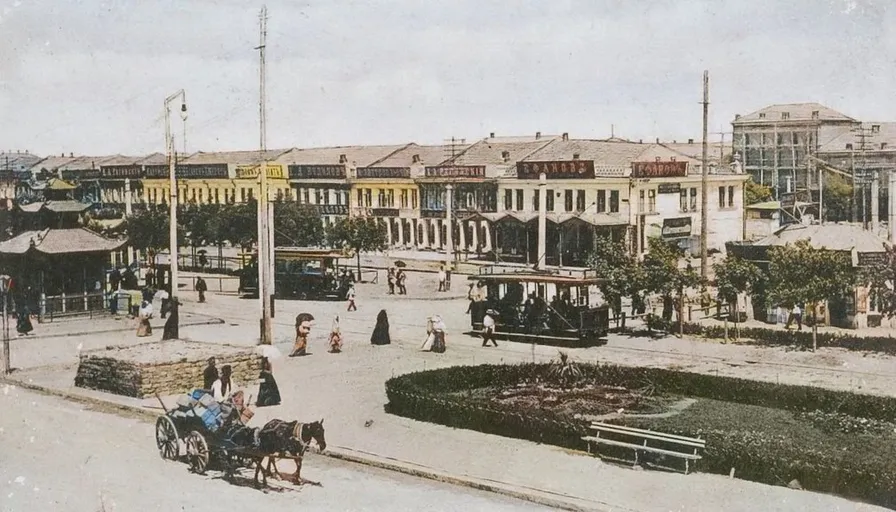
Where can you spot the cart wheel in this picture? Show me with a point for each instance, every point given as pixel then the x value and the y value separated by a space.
pixel 166 438
pixel 197 452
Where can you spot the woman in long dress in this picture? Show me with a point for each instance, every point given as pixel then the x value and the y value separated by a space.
pixel 268 392
pixel 380 334
pixel 335 342
pixel 438 329
pixel 23 322
pixel 143 326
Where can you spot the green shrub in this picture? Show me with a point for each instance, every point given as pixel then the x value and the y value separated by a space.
pixel 773 454
pixel 801 339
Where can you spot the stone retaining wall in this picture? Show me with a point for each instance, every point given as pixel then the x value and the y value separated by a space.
pixel 117 373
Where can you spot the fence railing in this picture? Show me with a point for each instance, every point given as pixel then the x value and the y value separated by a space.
pixel 76 304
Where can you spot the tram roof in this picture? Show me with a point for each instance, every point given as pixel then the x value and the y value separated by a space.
pixel 520 277
pixel 313 252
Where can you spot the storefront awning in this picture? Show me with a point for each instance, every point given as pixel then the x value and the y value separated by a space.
pixel 489 216
pixel 597 219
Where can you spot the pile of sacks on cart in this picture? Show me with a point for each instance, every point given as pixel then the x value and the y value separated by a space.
pixel 225 419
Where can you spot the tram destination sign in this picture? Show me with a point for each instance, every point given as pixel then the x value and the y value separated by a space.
pixel 570 169
pixel 668 169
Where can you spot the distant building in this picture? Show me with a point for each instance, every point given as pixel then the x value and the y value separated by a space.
pixel 773 143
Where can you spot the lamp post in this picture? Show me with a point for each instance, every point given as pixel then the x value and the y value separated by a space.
pixel 541 257
pixel 169 143
pixel 4 291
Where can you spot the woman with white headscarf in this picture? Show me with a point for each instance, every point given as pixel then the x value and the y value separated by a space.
pixel 438 330
pixel 335 342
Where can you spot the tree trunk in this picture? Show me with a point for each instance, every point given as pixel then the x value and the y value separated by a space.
pixel 358 255
pixel 814 328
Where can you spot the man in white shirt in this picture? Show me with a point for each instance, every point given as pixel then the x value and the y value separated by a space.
pixel 488 329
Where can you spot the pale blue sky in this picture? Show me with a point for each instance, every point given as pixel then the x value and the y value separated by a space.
pixel 89 77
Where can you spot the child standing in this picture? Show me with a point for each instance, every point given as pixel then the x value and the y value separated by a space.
pixel 351 298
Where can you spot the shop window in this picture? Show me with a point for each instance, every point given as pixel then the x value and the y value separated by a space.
pixel 601 201
pixel 614 201
pixel 567 200
pixel 651 199
pixel 508 200
pixel 694 199
pixel 549 201
pixel 580 200
pixel 519 199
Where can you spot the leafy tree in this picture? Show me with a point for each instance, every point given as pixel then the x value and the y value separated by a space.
pixel 298 225
pixel 241 224
pixel 800 273
pixel 217 228
pixel 756 192
pixel 612 262
pixel 358 234
pixel 662 274
pixel 837 197
pixel 881 279
pixel 195 220
pixel 147 230
pixel 735 276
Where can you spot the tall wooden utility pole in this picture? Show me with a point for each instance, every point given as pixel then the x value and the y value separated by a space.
pixel 264 255
pixel 704 182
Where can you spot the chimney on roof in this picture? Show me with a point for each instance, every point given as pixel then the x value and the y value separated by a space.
pixel 690 141
pixel 565 136
pixel 415 159
pixel 505 155
pixel 657 159
pixel 657 140
pixel 736 117
pixel 537 135
pixel 491 135
pixel 343 159
pixel 575 156
pixel 71 155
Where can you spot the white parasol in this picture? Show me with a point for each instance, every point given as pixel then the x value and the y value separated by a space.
pixel 268 351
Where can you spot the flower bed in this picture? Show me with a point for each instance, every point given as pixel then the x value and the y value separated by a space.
pixel 831 441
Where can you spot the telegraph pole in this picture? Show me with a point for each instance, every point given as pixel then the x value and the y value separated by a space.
pixel 264 257
pixel 704 182
pixel 172 201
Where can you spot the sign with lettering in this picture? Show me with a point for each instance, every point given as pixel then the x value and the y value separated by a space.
pixel 432 214
pixel 455 171
pixel 305 172
pixel 385 212
pixel 678 227
pixel 331 209
pixel 384 172
pixel 872 259
pixel 570 169
pixel 80 174
pixel 789 199
pixel 248 172
pixel 156 171
pixel 669 188
pixel 659 169
pixel 122 171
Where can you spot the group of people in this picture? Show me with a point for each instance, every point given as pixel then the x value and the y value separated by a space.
pixel 304 323
pixel 222 387
pixel 397 278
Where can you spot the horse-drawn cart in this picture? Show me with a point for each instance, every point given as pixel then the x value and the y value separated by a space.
pixel 213 436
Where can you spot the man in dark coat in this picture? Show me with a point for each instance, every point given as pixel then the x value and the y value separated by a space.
pixel 170 332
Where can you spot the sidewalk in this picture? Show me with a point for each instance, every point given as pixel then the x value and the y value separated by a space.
pixel 347 391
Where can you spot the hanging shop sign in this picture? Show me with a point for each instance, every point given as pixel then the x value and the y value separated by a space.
pixel 122 171
pixel 668 188
pixel 577 169
pixel 679 227
pixel 659 169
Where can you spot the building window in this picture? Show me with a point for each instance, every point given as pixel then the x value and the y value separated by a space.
pixel 721 197
pixel 814 114
pixel 536 201
pixel 731 197
pixel 580 200
pixel 414 199
pixel 694 199
pixel 614 201
pixel 641 202
pixel 360 198
pixel 519 199
pixel 762 115
pixel 508 200
pixel 381 198
pixel 601 201
pixel 317 196
pixel 683 200
pixel 651 197
pixel 403 198
pixel 306 196
pixel 567 200
pixel 875 128
pixel 549 201
pixel 242 195
pixel 785 115
pixel 217 197
pixel 849 146
pixel 368 197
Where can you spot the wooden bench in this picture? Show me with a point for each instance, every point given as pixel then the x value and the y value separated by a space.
pixel 640 441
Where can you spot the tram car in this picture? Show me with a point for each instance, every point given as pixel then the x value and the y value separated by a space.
pixel 562 309
pixel 300 273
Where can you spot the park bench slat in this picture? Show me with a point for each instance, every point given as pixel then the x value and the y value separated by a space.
pixel 658 435
pixel 643 448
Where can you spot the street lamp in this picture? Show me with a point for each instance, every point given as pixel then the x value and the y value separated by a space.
pixel 169 143
pixel 4 291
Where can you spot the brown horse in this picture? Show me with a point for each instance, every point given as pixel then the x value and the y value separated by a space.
pixel 281 439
